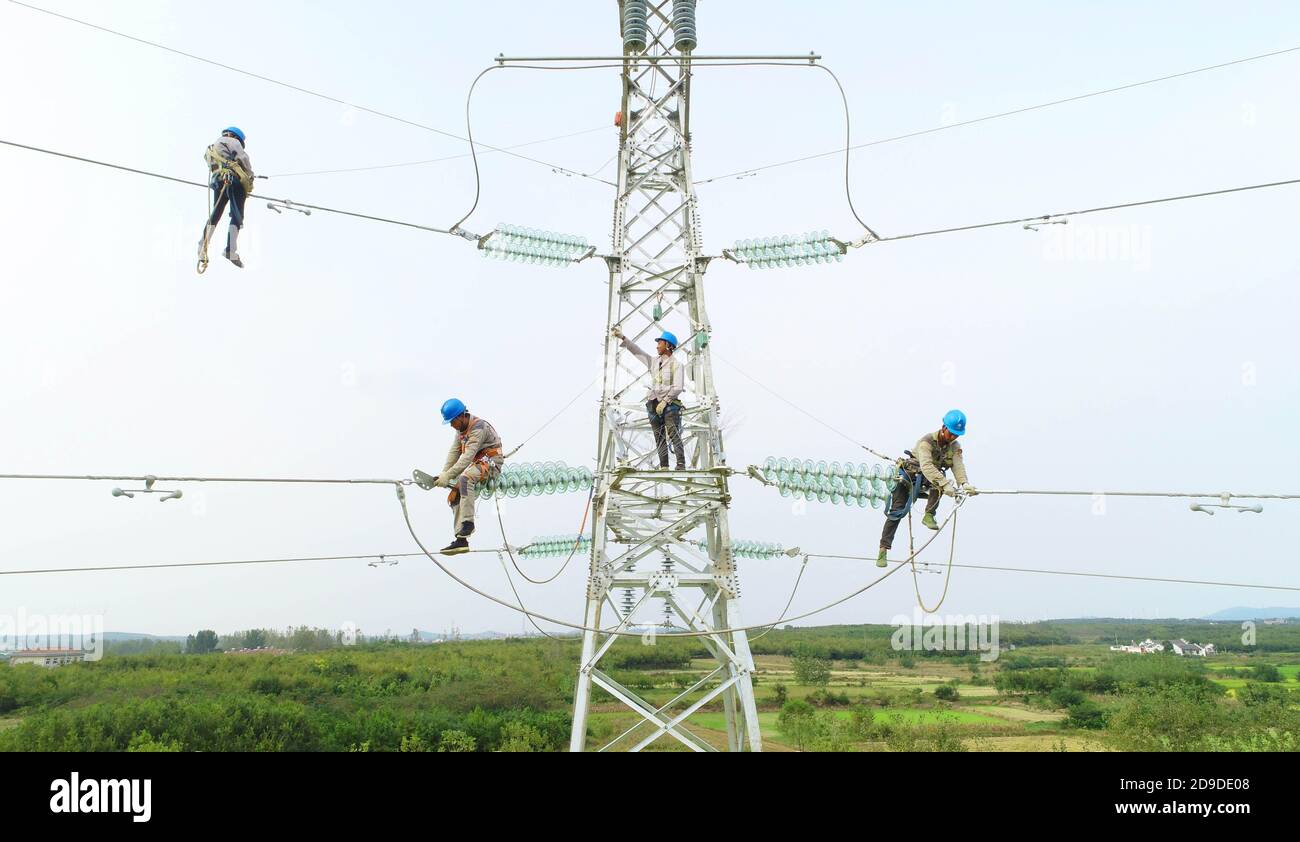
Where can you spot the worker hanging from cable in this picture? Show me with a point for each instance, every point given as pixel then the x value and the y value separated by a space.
pixel 922 472
pixel 230 175
pixel 475 458
pixel 667 382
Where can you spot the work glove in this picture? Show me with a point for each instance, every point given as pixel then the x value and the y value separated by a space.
pixel 949 489
pixel 441 482
pixel 616 332
pixel 659 409
pixel 970 490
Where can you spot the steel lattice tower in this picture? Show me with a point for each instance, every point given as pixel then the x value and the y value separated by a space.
pixel 647 522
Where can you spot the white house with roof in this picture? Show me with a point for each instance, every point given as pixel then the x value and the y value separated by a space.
pixel 1146 647
pixel 1193 650
pixel 47 657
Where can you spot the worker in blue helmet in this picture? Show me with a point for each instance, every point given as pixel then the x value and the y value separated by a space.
pixel 922 473
pixel 475 457
pixel 230 175
pixel 663 399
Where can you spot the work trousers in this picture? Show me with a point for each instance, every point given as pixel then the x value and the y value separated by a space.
pixel 233 194
pixel 902 492
pixel 466 486
pixel 667 427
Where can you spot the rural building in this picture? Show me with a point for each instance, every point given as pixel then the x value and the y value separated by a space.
pixel 47 657
pixel 1146 647
pixel 1193 650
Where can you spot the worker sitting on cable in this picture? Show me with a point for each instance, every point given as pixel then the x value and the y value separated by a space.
pixel 230 174
pixel 475 457
pixel 667 382
pixel 923 473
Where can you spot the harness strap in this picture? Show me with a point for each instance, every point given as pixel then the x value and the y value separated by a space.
pixel 915 491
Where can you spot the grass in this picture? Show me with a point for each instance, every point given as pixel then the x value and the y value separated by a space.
pixel 909 716
pixel 1018 714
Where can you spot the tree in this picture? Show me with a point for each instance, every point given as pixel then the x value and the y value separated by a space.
pixel 520 736
pixel 947 692
pixel 1262 694
pixel 862 721
pixel 202 643
pixel 145 742
pixel 796 721
pixel 1265 672
pixel 1064 697
pixel 1087 714
pixel 456 741
pixel 413 743
pixel 254 639
pixel 810 669
pixel 780 694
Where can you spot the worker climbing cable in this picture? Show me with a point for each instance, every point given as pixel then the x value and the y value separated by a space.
pixel 230 175
pixel 474 458
pixel 922 473
pixel 663 404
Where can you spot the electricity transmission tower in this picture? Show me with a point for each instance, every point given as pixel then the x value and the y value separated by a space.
pixel 661 534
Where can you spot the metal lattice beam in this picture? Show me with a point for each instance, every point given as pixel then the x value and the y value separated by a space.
pixel 644 516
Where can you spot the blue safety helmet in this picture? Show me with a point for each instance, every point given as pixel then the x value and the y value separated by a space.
pixel 236 131
pixel 452 409
pixel 955 421
pixel 670 339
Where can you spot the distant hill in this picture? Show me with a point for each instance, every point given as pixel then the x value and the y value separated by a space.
pixel 116 636
pixel 1241 613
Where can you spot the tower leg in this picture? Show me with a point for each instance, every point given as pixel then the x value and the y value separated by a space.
pixel 744 687
pixel 582 695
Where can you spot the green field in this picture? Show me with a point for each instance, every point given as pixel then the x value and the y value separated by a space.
pixel 836 688
pixel 909 716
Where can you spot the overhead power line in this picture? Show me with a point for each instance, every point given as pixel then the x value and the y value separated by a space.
pixel 173 565
pixel 1064 214
pixel 1119 576
pixel 1233 495
pixel 268 480
pixel 373 111
pixel 829 556
pixel 997 116
pixel 205 187
pixel 438 160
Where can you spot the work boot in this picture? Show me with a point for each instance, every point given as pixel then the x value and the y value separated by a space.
pixel 681 466
pixel 466 529
pixel 231 253
pixel 928 521
pixel 460 545
pixel 880 559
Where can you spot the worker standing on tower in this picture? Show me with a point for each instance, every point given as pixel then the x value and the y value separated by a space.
pixel 667 382
pixel 230 175
pixel 475 457
pixel 923 473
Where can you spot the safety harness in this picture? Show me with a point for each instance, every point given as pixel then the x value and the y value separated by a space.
pixel 482 460
pixel 915 481
pixel 223 170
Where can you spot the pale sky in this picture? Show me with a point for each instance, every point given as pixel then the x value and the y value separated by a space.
pixel 1171 366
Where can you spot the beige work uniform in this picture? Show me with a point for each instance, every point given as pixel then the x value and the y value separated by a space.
pixel 474 457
